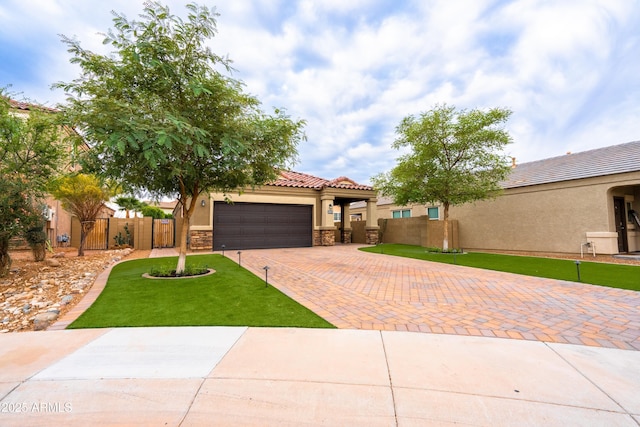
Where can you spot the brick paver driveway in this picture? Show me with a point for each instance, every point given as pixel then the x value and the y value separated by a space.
pixel 359 290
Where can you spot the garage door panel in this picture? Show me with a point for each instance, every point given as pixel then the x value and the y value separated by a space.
pixel 262 225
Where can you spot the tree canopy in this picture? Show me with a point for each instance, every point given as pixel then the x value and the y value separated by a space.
pixel 30 155
pixel 164 118
pixel 455 157
pixel 128 204
pixel 84 196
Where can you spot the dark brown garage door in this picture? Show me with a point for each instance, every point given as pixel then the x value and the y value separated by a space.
pixel 261 226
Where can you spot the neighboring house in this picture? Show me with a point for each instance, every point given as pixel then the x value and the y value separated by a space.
pixel 58 221
pixel 562 204
pixel 295 210
pixel 577 202
pixel 387 209
pixel 166 207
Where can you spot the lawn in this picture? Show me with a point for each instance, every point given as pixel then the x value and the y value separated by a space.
pixel 232 296
pixel 596 273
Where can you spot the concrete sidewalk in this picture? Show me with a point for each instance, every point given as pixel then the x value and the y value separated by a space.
pixel 280 376
pixel 195 376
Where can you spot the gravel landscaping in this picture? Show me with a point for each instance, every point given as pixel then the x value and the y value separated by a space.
pixel 34 294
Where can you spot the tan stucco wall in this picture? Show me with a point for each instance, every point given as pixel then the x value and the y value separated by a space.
pixel 203 216
pixel 320 200
pixel 551 217
pixel 419 231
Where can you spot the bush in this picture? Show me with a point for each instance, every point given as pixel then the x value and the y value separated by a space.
pixel 189 270
pixel 439 250
pixel 37 238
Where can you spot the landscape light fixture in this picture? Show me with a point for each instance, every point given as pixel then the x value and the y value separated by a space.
pixel 266 275
pixel 223 246
pixel 578 268
pixel 239 255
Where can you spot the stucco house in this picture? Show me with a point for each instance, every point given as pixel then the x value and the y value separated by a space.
pixel 295 210
pixel 576 202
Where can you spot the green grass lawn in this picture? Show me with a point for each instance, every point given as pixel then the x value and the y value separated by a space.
pixel 230 297
pixel 612 275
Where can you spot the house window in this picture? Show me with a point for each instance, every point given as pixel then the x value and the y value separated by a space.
pixel 337 216
pixel 433 212
pixel 404 213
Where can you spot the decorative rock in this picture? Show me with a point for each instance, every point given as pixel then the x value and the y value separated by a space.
pixel 52 262
pixel 38 288
pixel 58 255
pixel 43 320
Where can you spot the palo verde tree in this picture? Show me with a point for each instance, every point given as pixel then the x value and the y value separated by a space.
pixel 82 195
pixel 30 153
pixel 454 158
pixel 165 118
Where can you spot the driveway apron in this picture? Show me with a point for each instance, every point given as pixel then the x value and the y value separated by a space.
pixel 359 290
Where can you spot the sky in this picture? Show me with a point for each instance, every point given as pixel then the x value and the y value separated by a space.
pixel 353 69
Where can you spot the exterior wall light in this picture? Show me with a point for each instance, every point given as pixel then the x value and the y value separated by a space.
pixel 203 203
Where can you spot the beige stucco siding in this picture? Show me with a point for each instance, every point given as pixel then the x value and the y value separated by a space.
pixel 203 215
pixel 551 217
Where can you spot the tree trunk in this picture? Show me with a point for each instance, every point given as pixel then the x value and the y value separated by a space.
pixel 83 237
pixel 186 215
pixel 85 229
pixel 445 240
pixel 182 257
pixel 5 259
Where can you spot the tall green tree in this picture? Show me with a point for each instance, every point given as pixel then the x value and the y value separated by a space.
pixel 128 204
pixel 165 119
pixel 30 154
pixel 455 157
pixel 82 195
pixel 153 212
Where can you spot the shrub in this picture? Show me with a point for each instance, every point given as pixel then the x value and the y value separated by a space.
pixel 189 270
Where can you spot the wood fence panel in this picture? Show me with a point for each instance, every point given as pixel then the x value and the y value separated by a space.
pixel 98 238
pixel 164 233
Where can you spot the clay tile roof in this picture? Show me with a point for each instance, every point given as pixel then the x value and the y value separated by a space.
pixel 611 160
pixel 19 105
pixel 303 180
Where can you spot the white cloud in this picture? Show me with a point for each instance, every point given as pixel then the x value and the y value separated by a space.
pixel 353 69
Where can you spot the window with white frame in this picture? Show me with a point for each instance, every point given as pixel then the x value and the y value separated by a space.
pixel 433 212
pixel 401 213
pixel 337 216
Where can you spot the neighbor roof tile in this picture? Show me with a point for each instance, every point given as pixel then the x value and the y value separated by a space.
pixel 610 160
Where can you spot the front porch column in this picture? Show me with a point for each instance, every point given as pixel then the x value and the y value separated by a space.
pixel 371 229
pixel 346 223
pixel 327 227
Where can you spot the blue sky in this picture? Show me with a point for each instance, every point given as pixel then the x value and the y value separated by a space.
pixel 568 69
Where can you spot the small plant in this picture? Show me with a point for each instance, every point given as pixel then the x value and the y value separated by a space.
pixel 439 250
pixel 37 238
pixel 122 241
pixel 190 270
